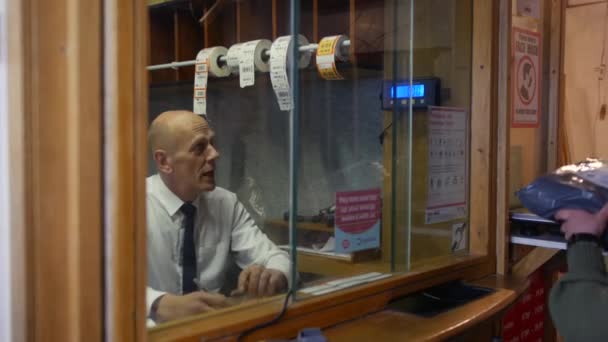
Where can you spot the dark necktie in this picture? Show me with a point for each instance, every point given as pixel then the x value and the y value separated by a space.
pixel 188 249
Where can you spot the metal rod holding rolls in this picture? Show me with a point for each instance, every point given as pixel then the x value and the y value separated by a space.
pixel 174 65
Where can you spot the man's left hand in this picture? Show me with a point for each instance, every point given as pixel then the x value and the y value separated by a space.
pixel 258 281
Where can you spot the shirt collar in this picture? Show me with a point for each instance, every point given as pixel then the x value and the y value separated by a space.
pixel 168 199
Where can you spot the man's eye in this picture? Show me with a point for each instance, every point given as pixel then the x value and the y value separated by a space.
pixel 200 148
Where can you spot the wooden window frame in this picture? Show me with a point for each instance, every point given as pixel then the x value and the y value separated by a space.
pixel 351 303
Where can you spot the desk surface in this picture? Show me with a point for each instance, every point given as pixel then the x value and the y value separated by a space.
pixel 318 226
pixel 391 325
pixel 340 268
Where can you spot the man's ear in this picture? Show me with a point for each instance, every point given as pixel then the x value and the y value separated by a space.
pixel 161 159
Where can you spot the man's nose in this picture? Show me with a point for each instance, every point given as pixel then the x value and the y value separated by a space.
pixel 213 153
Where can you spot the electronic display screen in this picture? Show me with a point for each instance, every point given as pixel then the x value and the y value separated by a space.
pixel 402 91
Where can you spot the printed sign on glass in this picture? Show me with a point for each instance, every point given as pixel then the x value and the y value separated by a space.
pixel 357 220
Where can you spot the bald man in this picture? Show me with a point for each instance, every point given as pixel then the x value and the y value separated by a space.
pixel 196 230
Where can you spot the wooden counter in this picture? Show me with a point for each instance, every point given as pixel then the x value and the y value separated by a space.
pixel 391 325
pixel 315 226
pixel 435 245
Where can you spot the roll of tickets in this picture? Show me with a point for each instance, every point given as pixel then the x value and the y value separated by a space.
pixel 328 52
pixel 232 58
pixel 206 63
pixel 201 74
pixel 279 52
pixel 214 53
pixel 251 59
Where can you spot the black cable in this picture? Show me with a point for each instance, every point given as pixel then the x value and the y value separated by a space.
pixel 269 323
pixel 383 133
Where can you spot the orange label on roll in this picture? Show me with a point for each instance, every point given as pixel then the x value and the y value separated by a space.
pixel 326 58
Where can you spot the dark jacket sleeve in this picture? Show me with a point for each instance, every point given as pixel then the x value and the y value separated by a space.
pixel 579 300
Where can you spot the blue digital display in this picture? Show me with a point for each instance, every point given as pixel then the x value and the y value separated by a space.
pixel 402 91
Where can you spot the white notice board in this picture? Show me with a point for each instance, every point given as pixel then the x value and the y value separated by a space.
pixel 448 164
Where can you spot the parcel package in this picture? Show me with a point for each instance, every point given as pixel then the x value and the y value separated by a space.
pixel 582 185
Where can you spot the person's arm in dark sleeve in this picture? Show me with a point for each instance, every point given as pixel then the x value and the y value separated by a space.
pixel 579 300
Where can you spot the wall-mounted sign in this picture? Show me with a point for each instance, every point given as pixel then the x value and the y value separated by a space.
pixel 448 163
pixel 525 78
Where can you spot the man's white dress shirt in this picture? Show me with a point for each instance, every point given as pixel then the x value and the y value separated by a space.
pixel 223 232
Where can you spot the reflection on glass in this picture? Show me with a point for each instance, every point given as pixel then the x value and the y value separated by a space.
pixel 382 141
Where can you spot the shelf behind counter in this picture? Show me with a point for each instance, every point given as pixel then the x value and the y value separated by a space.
pixel 530 230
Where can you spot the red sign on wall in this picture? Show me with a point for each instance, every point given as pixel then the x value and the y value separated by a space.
pixel 525 78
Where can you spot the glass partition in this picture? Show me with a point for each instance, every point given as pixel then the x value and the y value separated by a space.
pixel 355 107
pixel 383 143
pixel 312 167
pixel 440 180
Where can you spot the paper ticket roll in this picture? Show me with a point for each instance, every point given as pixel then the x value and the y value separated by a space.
pixel 201 75
pixel 329 52
pixel 200 101
pixel 213 55
pixel 259 47
pixel 232 58
pixel 206 64
pixel 247 58
pixel 279 61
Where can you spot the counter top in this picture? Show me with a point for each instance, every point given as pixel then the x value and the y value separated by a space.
pixel 391 325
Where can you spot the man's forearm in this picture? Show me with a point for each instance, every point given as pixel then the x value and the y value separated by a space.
pixel 577 301
pixel 585 260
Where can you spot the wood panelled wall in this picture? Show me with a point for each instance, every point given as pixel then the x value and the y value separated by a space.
pixel 585 87
pixel 177 35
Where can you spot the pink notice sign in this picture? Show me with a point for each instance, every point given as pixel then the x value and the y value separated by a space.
pixel 357 220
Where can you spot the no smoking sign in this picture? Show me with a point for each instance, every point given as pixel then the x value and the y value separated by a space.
pixel 525 79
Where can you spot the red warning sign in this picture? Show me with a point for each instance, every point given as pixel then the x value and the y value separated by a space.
pixel 525 78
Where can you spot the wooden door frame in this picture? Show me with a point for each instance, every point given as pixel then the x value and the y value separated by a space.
pixel 14 299
pixel 59 92
pixel 503 136
pixel 78 69
pixel 556 83
pixel 125 155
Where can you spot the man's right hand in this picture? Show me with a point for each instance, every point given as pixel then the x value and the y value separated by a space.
pixel 172 307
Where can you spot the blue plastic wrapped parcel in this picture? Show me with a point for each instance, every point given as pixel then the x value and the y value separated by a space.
pixel 582 185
